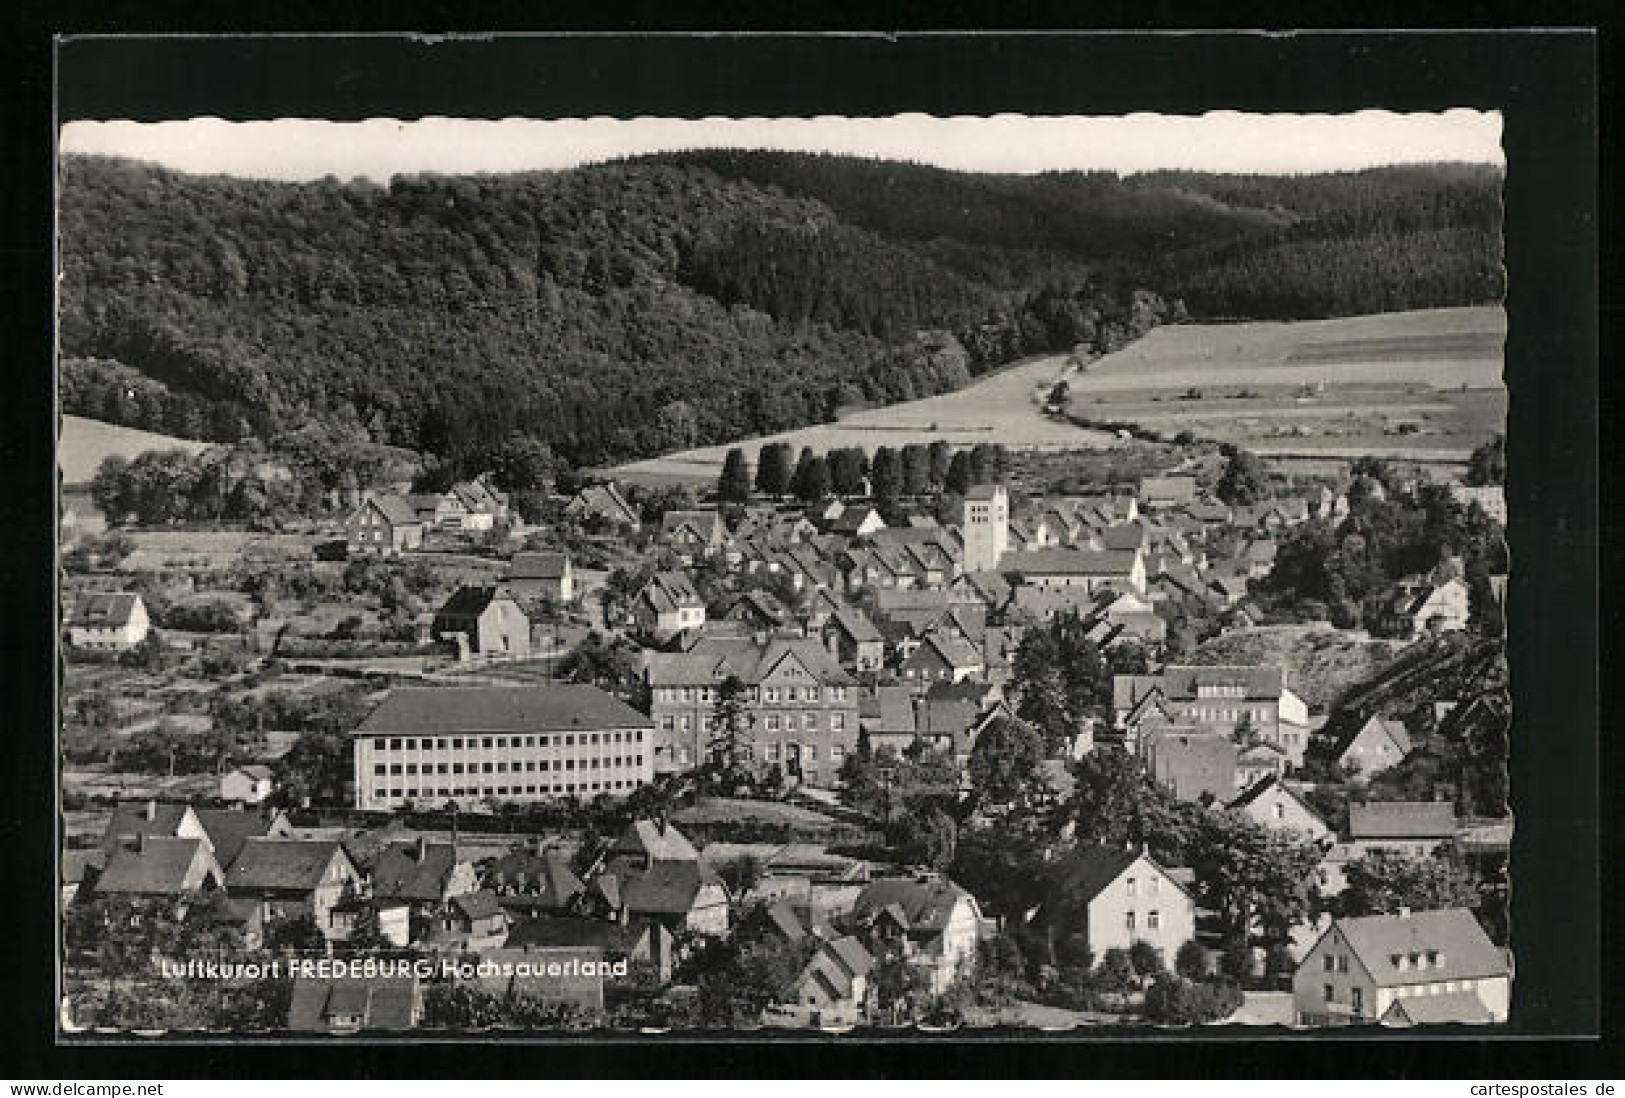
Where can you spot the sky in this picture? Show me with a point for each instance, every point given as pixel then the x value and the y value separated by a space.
pixel 1220 141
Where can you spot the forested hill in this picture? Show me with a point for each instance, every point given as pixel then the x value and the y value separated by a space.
pixel 627 309
pixel 1254 247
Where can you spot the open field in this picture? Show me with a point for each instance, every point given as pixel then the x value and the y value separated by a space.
pixel 84 442
pixel 998 408
pixel 1424 384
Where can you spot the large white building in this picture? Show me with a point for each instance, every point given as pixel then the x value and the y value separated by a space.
pixel 986 527
pixel 430 745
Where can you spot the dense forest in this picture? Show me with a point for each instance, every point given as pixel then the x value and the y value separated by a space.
pixel 626 309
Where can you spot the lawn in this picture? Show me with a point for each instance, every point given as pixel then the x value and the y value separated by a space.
pixel 83 443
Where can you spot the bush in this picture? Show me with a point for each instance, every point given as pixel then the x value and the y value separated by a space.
pixel 1192 961
pixel 1174 1000
pixel 1146 959
pixel 1116 971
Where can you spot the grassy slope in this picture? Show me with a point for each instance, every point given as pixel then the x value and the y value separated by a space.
pixel 85 442
pixel 1320 661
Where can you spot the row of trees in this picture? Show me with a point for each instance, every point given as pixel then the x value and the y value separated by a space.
pixel 911 471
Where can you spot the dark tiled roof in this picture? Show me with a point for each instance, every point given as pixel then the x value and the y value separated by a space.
pixel 160 868
pixel 1402 820
pixel 666 888
pixel 557 707
pixel 131 818
pixel 1083 874
pixel 410 871
pixel 1069 562
pixel 926 905
pixel 229 828
pixel 282 864
pixel 103 610
pixel 646 838
pixel 566 932
pixel 548 873
pixel 477 905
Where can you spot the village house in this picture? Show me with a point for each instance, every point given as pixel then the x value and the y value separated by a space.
pixel 249 784
pixel 1192 765
pixel 542 576
pixel 228 828
pixel 759 610
pixel 644 942
pixel 853 640
pixel 470 922
pixel 1414 829
pixel 291 878
pixel 487 620
pixel 472 744
pixel 423 878
pixel 668 604
pixel 1408 968
pixel 931 923
pixel 604 503
pixel 111 621
pixel 693 535
pixel 534 881
pixel 801 706
pixel 1418 607
pixel 856 521
pixel 354 1004
pixel 160 867
pixel 833 988
pixel 1272 803
pixel 942 656
pixel 653 873
pixel 132 820
pixel 1111 898
pixel 383 526
pixel 1373 747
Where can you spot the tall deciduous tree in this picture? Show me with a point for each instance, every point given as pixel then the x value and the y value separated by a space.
pixel 734 484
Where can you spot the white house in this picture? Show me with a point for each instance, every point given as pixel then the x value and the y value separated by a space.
pixel 1408 968
pixel 249 784
pixel 108 620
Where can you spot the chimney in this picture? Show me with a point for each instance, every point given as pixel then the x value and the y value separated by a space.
pixel 151 810
pixel 1404 913
pixel 140 842
pixel 423 848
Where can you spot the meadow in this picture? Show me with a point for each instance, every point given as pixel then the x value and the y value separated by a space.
pixel 1425 384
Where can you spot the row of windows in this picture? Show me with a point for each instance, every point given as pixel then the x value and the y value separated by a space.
pixel 1153 920
pixel 1153 885
pixel 1214 713
pixel 399 793
pixel 770 694
pixel 528 766
pixel 772 722
pixel 502 743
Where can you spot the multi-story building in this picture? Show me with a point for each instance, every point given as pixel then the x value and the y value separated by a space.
pixel 508 743
pixel 986 527
pixel 1218 699
pixel 801 707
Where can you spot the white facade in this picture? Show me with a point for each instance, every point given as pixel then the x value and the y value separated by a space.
pixel 986 529
pixel 470 767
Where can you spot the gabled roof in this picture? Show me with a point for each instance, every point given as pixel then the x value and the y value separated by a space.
pixel 1263 786
pixel 983 492
pixel 414 871
pixel 1180 489
pixel 951 648
pixel 547 566
pixel 448 710
pixel 890 710
pixel 705 524
pixel 104 609
pixel 1395 730
pixel 565 931
pixel 132 818
pixel 472 601
pixel 229 828
pixel 282 864
pixel 925 905
pixel 477 905
pixel 1462 1007
pixel 381 1003
pixel 659 844
pixel 1086 872
pixel 548 872
pixel 1402 820
pixel 666 888
pixel 667 591
pixel 712 659
pixel 607 499
pixel 855 624
pixel 1464 951
pixel 1181 682
pixel 397 510
pixel 161 867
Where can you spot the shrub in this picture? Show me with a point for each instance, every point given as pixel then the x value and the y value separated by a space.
pixel 1192 962
pixel 1174 1000
pixel 1146 959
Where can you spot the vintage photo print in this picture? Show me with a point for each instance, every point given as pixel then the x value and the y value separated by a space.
pixel 672 575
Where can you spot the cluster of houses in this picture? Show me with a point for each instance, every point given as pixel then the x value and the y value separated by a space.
pixel 902 634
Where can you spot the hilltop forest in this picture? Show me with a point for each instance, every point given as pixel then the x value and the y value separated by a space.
pixel 621 310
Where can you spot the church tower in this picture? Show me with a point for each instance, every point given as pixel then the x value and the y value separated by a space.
pixel 986 527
